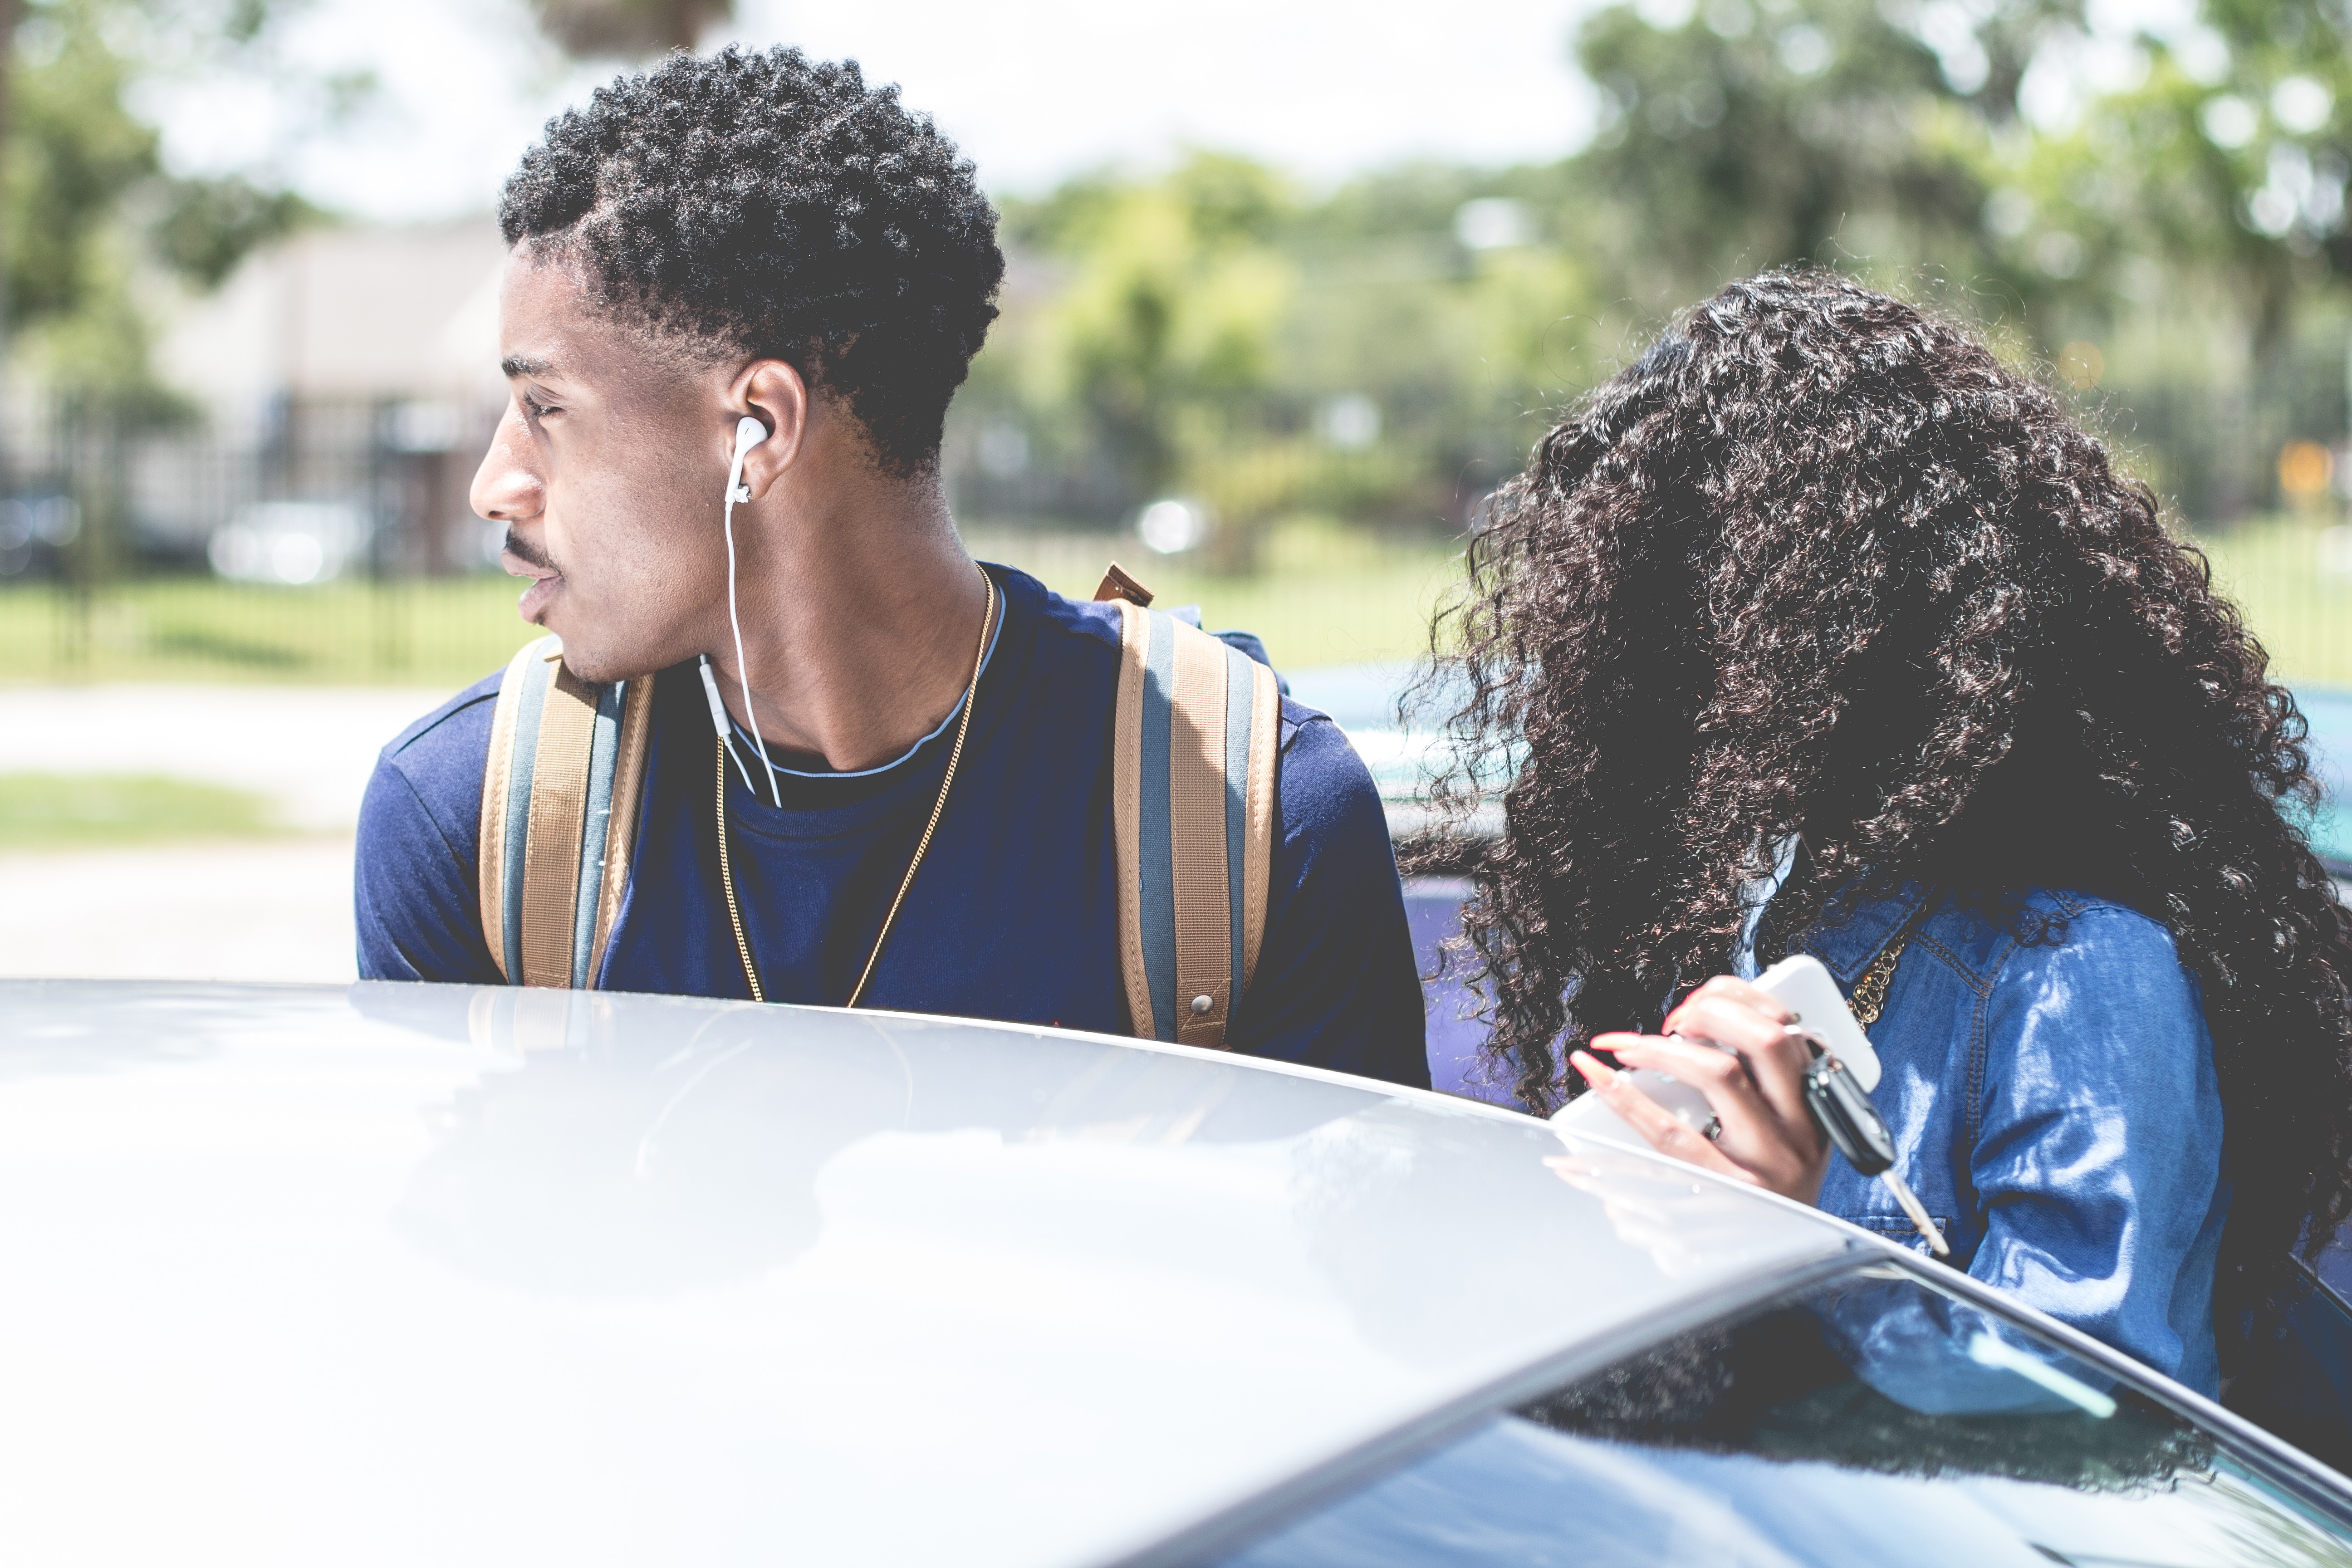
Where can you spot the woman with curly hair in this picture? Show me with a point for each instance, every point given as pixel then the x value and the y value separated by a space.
pixel 1819 630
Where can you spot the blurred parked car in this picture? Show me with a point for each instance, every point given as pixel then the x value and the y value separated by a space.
pixel 288 542
pixel 1363 699
pixel 33 530
pixel 394 1274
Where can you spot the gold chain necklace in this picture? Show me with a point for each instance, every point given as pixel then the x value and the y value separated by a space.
pixel 955 755
pixel 1869 991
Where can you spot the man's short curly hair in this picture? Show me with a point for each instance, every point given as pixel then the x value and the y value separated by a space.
pixel 767 204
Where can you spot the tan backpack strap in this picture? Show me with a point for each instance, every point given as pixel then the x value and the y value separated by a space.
pixel 632 744
pixel 559 810
pixel 514 731
pixel 1255 848
pixel 1201 860
pixel 560 791
pixel 1193 766
pixel 1126 815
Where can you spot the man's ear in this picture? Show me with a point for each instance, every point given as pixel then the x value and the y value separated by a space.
pixel 775 394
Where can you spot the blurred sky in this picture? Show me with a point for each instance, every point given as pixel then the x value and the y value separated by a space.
pixel 1033 89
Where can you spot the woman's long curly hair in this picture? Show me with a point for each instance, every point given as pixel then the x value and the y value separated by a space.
pixel 1818 565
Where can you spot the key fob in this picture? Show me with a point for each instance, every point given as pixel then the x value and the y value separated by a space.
pixel 1844 1111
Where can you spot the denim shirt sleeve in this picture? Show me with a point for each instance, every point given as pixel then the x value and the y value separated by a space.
pixel 2097 1147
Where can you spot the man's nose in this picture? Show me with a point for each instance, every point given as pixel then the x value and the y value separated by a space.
pixel 507 487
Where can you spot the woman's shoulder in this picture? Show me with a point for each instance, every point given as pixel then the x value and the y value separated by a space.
pixel 2069 960
pixel 2024 937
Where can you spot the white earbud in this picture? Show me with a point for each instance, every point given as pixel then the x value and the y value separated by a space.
pixel 748 433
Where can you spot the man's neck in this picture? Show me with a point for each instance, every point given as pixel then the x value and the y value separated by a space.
pixel 861 617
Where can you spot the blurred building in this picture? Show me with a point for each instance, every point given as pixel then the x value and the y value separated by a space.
pixel 344 374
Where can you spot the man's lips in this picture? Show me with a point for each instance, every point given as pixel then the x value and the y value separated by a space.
pixel 545 581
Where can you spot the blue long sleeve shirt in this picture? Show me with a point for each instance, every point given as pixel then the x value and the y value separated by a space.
pixel 1013 914
pixel 2055 1105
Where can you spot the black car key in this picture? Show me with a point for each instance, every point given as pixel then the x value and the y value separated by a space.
pixel 1847 1117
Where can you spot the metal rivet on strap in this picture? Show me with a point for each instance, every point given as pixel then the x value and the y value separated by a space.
pixel 1201 1004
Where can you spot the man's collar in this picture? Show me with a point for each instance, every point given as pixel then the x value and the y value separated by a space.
pixel 1851 934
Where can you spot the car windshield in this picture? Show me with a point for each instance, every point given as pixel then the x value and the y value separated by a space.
pixel 1867 1421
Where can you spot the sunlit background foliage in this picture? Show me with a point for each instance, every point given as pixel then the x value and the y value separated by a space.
pixel 2156 218
pixel 2146 209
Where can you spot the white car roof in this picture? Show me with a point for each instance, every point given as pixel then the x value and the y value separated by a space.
pixel 392 1274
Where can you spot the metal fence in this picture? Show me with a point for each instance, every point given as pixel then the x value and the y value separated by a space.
pixel 133 542
pixel 332 539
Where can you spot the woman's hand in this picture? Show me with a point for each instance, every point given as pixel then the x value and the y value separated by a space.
pixel 1755 1085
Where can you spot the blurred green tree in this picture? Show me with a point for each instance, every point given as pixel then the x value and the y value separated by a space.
pixel 2170 187
pixel 1160 350
pixel 1747 135
pixel 1893 137
pixel 1208 333
pixel 86 210
pixel 1389 349
pixel 2224 164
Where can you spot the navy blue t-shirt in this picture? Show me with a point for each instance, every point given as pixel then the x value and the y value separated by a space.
pixel 1013 915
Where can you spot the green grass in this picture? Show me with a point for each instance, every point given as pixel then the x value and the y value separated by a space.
pixel 441 632
pixel 69 811
pixel 2271 567
pixel 1324 594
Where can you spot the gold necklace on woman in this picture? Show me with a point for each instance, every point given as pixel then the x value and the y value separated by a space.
pixel 1869 991
pixel 955 755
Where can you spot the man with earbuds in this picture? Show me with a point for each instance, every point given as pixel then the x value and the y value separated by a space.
pixel 740 290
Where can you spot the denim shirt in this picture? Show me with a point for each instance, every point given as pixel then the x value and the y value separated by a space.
pixel 2054 1106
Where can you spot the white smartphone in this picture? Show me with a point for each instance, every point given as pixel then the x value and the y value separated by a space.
pixel 1800 984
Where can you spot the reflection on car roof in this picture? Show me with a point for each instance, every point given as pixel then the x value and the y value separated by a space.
pixel 499 1275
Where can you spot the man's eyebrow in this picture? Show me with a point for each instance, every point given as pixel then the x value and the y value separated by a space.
pixel 523 364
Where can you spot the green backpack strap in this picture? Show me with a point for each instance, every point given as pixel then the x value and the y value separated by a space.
pixel 560 792
pixel 1193 785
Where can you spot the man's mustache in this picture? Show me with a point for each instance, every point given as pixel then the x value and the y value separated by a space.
pixel 523 550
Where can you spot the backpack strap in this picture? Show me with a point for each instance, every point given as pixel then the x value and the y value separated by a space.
pixel 1192 784
pixel 560 792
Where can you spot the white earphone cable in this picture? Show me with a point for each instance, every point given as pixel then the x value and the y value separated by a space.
pixel 735 620
pixel 718 723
